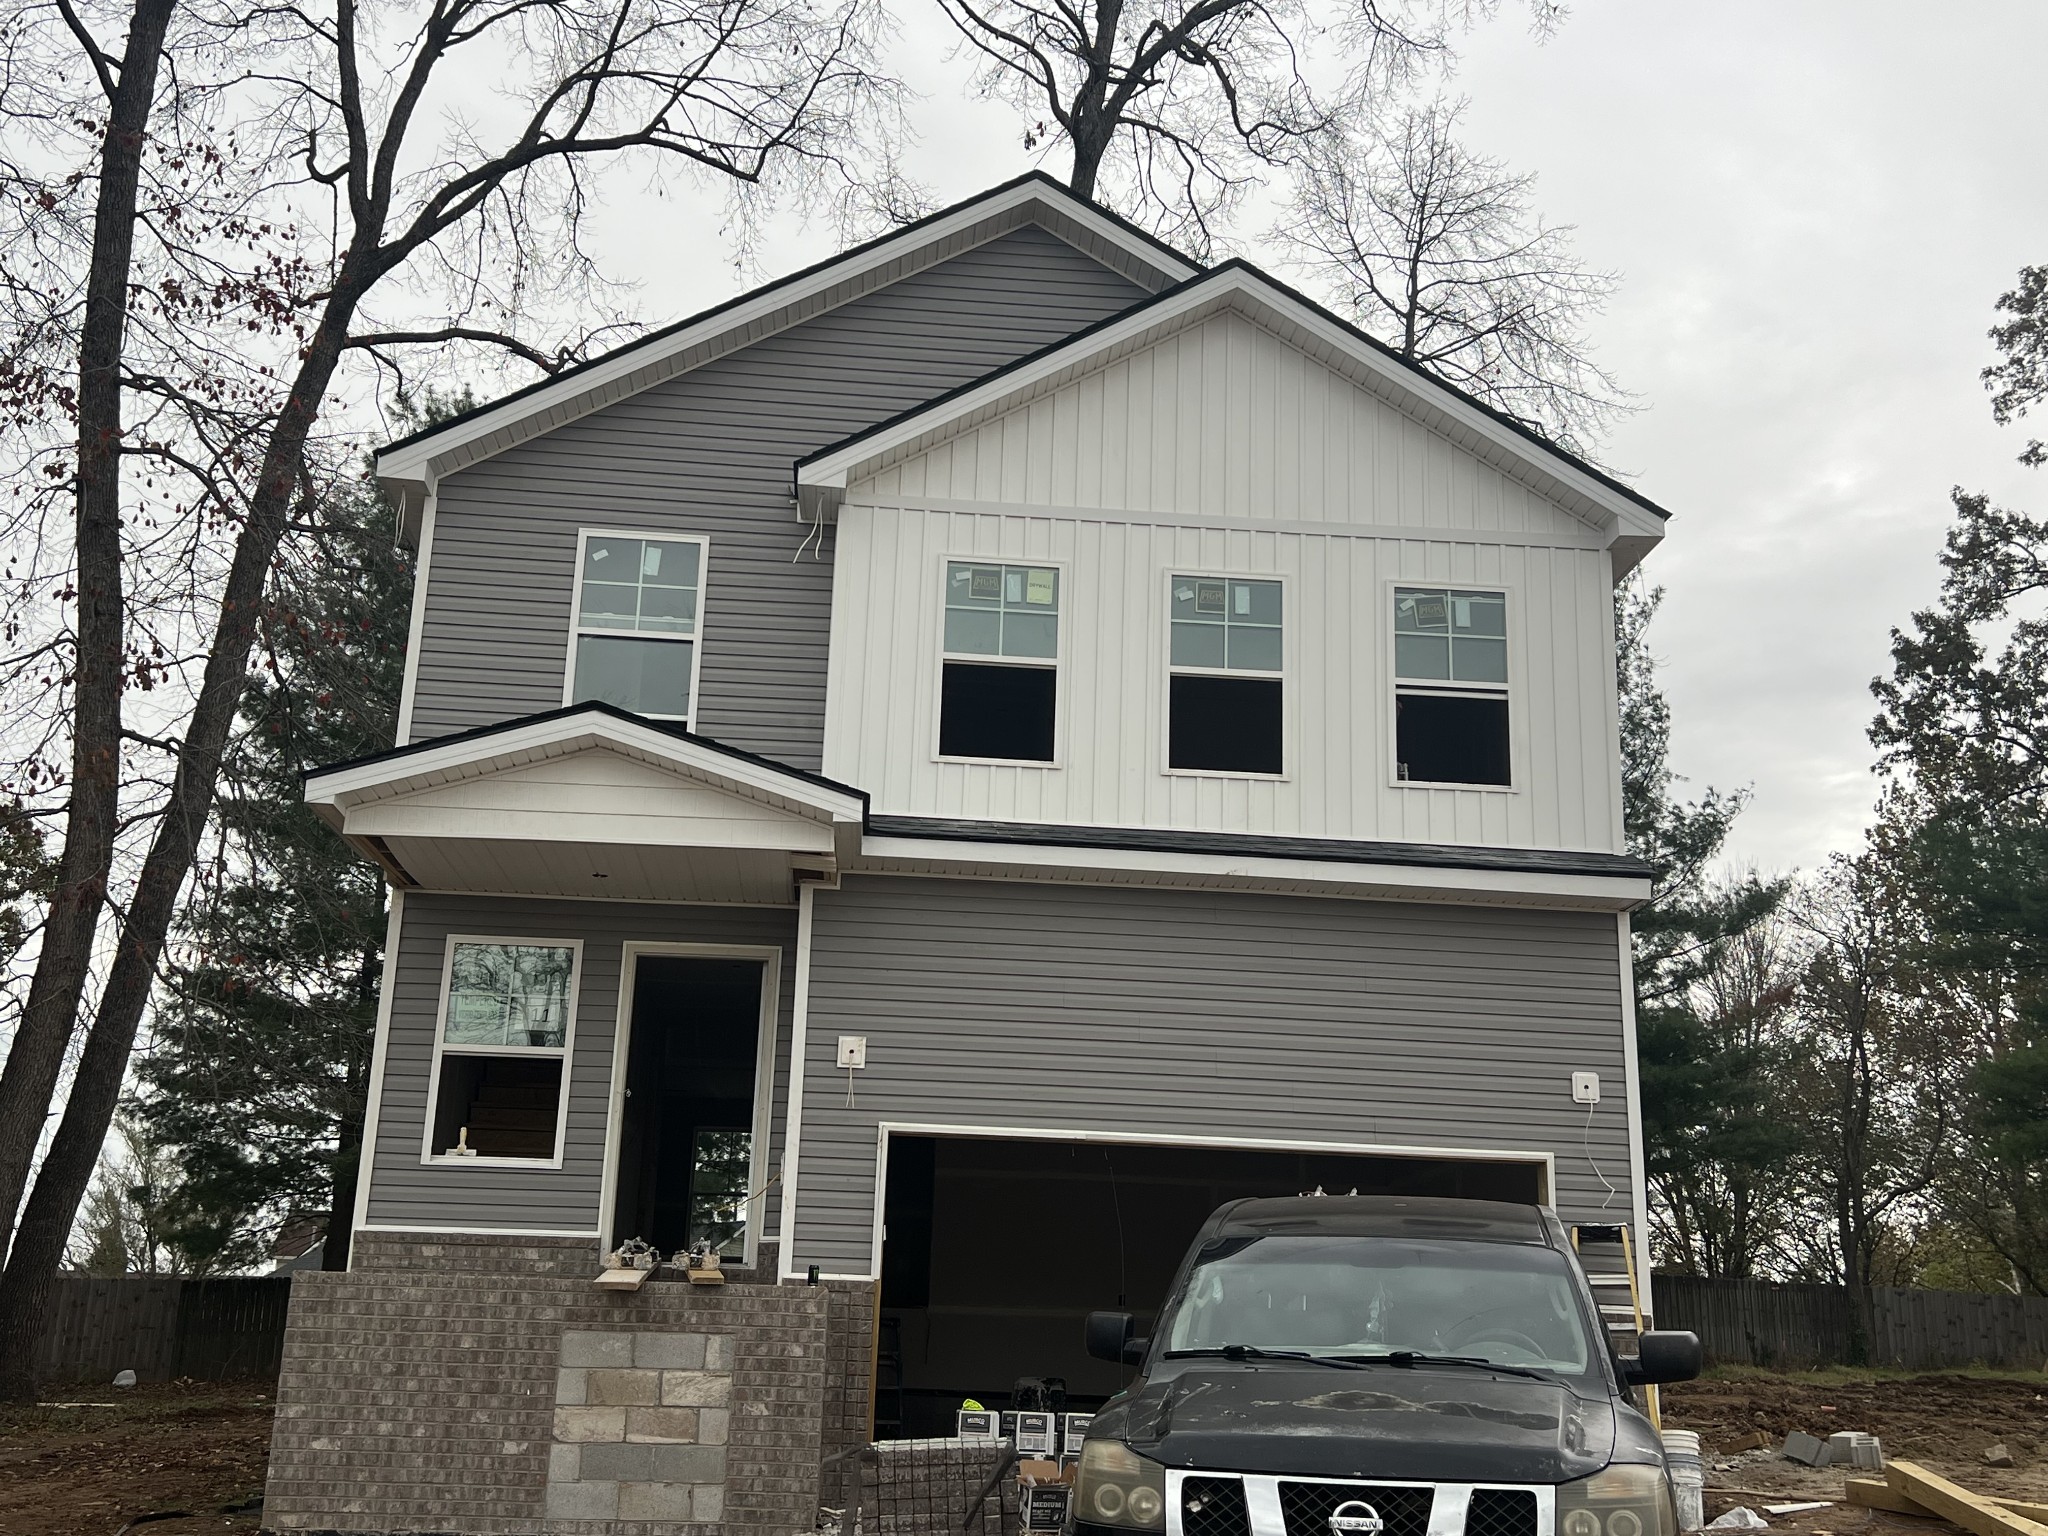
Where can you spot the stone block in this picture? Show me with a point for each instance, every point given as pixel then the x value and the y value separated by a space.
pixel 707 1502
pixel 655 1501
pixel 583 1501
pixel 688 1463
pixel 589 1424
pixel 609 1350
pixel 565 1463
pixel 714 1425
pixel 677 1425
pixel 1808 1450
pixel 619 1463
pixel 622 1388
pixel 669 1351
pixel 718 1352
pixel 695 1389
pixel 570 1388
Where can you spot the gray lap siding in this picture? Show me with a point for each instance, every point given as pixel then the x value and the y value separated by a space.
pixel 1182 1013
pixel 405 1192
pixel 711 452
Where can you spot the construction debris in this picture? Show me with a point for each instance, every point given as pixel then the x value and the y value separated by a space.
pixel 1798 1509
pixel 1870 1493
pixel 1972 1511
pixel 1755 1440
pixel 1997 1456
pixel 1807 1450
pixel 1740 1518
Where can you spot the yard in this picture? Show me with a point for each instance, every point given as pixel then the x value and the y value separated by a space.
pixel 200 1447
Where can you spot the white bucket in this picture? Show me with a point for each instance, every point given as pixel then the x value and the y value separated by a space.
pixel 1688 1477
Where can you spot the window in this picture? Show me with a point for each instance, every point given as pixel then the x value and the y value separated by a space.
pixel 1224 702
pixel 637 609
pixel 1451 686
pixel 506 1018
pixel 721 1161
pixel 999 679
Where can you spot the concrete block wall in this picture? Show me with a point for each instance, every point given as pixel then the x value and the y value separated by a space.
pixel 421 1392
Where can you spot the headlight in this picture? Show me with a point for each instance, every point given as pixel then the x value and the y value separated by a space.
pixel 1621 1501
pixel 1117 1486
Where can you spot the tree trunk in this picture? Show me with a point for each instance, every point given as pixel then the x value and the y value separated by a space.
pixel 37 1057
pixel 25 1287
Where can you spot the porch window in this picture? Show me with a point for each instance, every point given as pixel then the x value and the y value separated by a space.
pixel 1451 687
pixel 721 1161
pixel 507 1013
pixel 999 672
pixel 638 606
pixel 1226 673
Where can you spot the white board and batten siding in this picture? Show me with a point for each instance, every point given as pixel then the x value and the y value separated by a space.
pixel 1224 451
pixel 404 1191
pixel 1203 1014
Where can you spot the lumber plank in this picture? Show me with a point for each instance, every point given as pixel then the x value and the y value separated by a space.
pixel 2036 1512
pixel 1972 1511
pixel 1875 1493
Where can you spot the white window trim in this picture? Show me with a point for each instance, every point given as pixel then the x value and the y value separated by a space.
pixel 1445 688
pixel 1288 624
pixel 695 637
pixel 770 958
pixel 565 1052
pixel 1056 663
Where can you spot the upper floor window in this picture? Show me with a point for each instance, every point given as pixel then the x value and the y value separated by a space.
pixel 638 602
pixel 507 1011
pixel 999 674
pixel 1225 678
pixel 1451 686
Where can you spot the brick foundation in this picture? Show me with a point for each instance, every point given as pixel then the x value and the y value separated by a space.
pixel 433 1389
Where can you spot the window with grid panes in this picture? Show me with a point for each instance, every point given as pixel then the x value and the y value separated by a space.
pixel 1226 672
pixel 999 676
pixel 1451 686
pixel 636 624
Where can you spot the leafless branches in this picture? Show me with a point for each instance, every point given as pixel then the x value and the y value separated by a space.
pixel 1438 252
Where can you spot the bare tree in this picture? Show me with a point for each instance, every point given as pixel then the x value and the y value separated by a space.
pixel 1439 253
pixel 1172 109
pixel 377 196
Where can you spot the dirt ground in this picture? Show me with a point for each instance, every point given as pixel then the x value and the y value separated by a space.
pixel 1943 1422
pixel 199 1447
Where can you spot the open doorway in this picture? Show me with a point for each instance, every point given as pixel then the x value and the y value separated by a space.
pixel 996 1250
pixel 691 1111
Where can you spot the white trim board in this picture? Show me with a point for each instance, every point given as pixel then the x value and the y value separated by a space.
pixel 406 467
pixel 793 1118
pixel 884 1129
pixel 414 1227
pixel 366 1156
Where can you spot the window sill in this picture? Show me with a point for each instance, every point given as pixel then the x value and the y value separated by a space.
pixel 1483 789
pixel 1000 762
pixel 443 1160
pixel 1227 773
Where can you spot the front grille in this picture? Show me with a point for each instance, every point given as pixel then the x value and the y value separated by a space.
pixel 1307 1507
pixel 1213 1506
pixel 1501 1512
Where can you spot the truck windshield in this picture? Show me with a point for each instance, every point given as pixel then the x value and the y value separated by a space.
pixel 1511 1304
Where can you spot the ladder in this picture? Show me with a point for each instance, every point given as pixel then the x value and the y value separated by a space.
pixel 1608 1257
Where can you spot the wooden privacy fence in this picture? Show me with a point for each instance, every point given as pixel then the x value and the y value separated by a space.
pixel 164 1326
pixel 1760 1322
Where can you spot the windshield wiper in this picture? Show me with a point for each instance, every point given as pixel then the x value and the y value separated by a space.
pixel 1253 1352
pixel 1410 1358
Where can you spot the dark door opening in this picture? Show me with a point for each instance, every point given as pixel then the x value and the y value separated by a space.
pixel 995 1251
pixel 686 1140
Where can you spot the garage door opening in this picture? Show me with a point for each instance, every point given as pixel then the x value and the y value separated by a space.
pixel 995 1251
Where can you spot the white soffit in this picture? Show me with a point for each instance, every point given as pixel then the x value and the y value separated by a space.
pixel 822 480
pixel 409 468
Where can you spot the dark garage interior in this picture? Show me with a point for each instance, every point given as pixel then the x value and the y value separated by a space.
pixel 995 1251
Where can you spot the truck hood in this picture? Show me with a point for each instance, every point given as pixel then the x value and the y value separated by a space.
pixel 1418 1424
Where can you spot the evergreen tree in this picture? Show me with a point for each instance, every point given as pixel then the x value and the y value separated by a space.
pixel 263 1027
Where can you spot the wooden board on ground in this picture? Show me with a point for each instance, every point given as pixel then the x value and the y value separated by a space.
pixel 1972 1511
pixel 1871 1493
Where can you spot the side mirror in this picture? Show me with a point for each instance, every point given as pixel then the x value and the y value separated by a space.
pixel 1664 1355
pixel 1109 1336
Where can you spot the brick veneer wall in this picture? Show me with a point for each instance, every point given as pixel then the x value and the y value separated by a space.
pixel 849 1384
pixel 419 1390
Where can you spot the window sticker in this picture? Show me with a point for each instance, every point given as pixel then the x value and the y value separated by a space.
pixel 1038 587
pixel 985 582
pixel 1209 596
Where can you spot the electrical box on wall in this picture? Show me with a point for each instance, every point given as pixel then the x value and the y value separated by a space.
pixel 1585 1085
pixel 853 1051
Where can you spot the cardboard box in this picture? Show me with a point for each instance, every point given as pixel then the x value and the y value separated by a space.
pixel 1038 1434
pixel 977 1424
pixel 1074 1431
pixel 1043 1506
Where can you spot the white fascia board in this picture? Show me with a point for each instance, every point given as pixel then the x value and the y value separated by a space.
pixel 407 466
pixel 1125 866
pixel 332 792
pixel 823 480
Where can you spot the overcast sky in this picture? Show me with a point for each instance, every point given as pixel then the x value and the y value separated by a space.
pixel 1813 207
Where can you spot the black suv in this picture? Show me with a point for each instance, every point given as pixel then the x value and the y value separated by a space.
pixel 1378 1366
